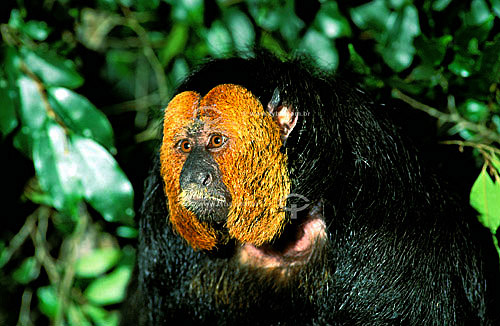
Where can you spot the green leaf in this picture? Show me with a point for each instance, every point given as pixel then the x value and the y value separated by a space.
pixel 330 21
pixel 23 141
pixel 439 5
pixel 187 11
pixel 8 119
pixel 495 160
pixel 111 288
pixel 127 232
pixel 393 30
pixel 241 29
pixel 485 198
pixel 474 110
pixel 27 272
pixel 97 262
pixel 462 66
pixel 81 116
pixel 219 40
pixel 321 49
pixel 37 30
pixel 47 301
pixel 76 317
pixel 33 111
pixel 495 4
pixel 105 185
pixel 56 168
pixel 174 44
pixel 478 14
pixel 432 51
pixel 52 69
pixel 100 316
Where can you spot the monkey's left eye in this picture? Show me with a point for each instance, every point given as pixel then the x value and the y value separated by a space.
pixel 216 141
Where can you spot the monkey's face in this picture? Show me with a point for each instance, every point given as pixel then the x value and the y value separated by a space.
pixel 222 167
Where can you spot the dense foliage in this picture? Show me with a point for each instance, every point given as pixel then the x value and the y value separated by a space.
pixel 82 85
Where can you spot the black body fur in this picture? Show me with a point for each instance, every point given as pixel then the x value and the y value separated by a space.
pixel 401 249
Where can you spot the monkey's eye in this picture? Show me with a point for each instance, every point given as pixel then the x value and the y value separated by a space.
pixel 216 141
pixel 185 146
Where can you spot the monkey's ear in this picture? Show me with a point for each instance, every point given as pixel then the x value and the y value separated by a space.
pixel 283 114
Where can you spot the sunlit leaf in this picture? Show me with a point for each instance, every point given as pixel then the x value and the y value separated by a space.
pixel 56 168
pixel 111 288
pixel 485 198
pixel 105 185
pixel 321 49
pixel 127 232
pixel 47 301
pixel 478 14
pixel 33 109
pixel 76 317
pixel 175 43
pixel 241 30
pixel 100 316
pixel 27 272
pixel 52 69
pixel 474 110
pixel 97 262
pixel 462 66
pixel 331 22
pixel 37 30
pixel 219 40
pixel 81 116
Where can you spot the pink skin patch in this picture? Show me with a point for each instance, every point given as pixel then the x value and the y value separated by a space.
pixel 311 233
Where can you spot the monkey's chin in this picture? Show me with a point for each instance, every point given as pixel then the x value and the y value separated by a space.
pixel 296 249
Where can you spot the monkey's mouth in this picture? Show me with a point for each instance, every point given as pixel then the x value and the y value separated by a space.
pixel 296 246
pixel 210 207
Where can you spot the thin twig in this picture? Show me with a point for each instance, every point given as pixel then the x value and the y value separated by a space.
pixel 17 241
pixel 445 117
pixel 134 24
pixel 42 254
pixel 70 250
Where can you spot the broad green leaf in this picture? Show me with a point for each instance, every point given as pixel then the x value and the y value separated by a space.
pixel 100 316
pixel 478 14
pixel 51 69
pixel 111 288
pixel 175 43
pixel 439 5
pixel 27 272
pixel 187 11
pixel 372 15
pixel 474 110
pixel 47 301
pixel 241 29
pixel 105 185
pixel 330 21
pixel 4 256
pixel 432 50
pixel 37 30
pixel 76 317
pixel 81 116
pixel 97 262
pixel 485 198
pixel 399 51
pixel 127 232
pixel 144 5
pixel 321 49
pixel 15 20
pixel 33 110
pixel 57 169
pixel 462 66
pixel 8 119
pixel 219 40
pixel 495 4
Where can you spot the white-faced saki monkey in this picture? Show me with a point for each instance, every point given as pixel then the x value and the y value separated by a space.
pixel 284 196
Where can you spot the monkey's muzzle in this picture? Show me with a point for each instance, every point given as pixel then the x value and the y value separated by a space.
pixel 210 205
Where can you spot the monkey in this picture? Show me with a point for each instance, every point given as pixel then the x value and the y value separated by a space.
pixel 283 195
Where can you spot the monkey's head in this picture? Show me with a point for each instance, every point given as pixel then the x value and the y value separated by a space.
pixel 223 166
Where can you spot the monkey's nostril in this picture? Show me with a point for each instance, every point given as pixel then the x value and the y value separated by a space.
pixel 206 179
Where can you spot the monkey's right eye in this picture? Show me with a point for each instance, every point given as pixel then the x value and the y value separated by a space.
pixel 185 146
